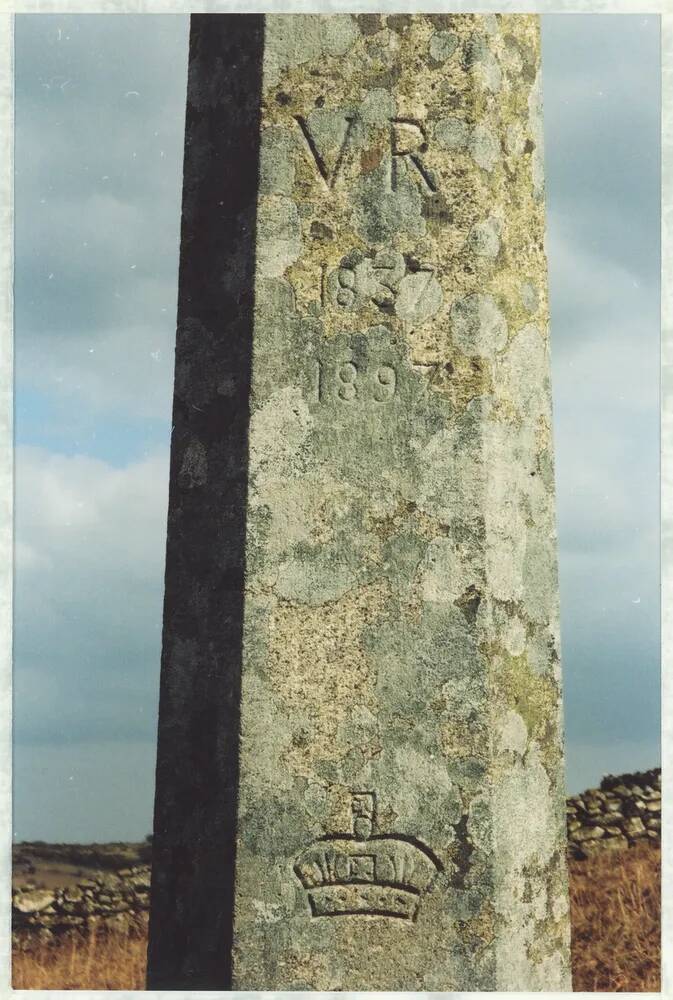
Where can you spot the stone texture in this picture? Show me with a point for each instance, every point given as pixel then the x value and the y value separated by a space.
pixel 625 809
pixel 112 902
pixel 127 889
pixel 359 780
pixel 33 901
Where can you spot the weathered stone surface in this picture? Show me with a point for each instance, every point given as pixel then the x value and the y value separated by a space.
pixel 625 808
pixel 588 833
pixel 31 902
pixel 360 777
pixel 113 905
pixel 633 826
pixel 590 847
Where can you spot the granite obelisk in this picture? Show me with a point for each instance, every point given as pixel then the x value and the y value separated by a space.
pixel 360 765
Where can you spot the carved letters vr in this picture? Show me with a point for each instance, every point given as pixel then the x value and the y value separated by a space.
pixel 407 141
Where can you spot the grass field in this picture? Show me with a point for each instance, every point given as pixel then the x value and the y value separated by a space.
pixel 615 927
pixel 615 919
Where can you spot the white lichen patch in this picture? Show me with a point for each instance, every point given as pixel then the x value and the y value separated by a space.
pixel 485 148
pixel 463 695
pixel 514 637
pixel 537 133
pixel 525 831
pixel 483 64
pixel 452 133
pixel 276 161
pixel 377 108
pixel 530 297
pixel 418 298
pixel 515 139
pixel 540 576
pixel 484 238
pixel 478 326
pixel 519 374
pixel 278 430
pixel 451 478
pixel 426 777
pixel 279 236
pixel 446 573
pixel 320 581
pixel 560 905
pixel 258 751
pixel 442 45
pixel 293 41
pixel 480 823
pixel 194 467
pixel 268 913
pixel 512 733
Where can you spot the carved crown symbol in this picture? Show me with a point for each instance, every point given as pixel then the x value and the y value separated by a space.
pixel 366 873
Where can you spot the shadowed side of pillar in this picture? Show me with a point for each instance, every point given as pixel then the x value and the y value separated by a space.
pixel 199 714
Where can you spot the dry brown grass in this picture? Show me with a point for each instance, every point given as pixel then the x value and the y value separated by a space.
pixel 615 917
pixel 615 926
pixel 105 962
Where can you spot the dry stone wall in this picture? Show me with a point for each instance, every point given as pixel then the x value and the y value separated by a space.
pixel 623 811
pixel 109 902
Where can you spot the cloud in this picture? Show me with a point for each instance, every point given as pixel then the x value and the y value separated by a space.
pixel 99 133
pixel 602 132
pixel 99 125
pixel 597 300
pixel 88 601
pixel 602 179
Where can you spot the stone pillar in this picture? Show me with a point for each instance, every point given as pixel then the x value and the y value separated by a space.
pixel 360 773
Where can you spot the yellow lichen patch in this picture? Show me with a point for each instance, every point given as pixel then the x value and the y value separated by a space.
pixel 459 378
pixel 536 699
pixel 543 435
pixel 386 525
pixel 404 514
pixel 462 738
pixel 307 968
pixel 402 154
pixel 478 85
pixel 479 931
pixel 316 660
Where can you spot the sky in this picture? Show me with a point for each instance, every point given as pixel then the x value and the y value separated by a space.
pixel 99 118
